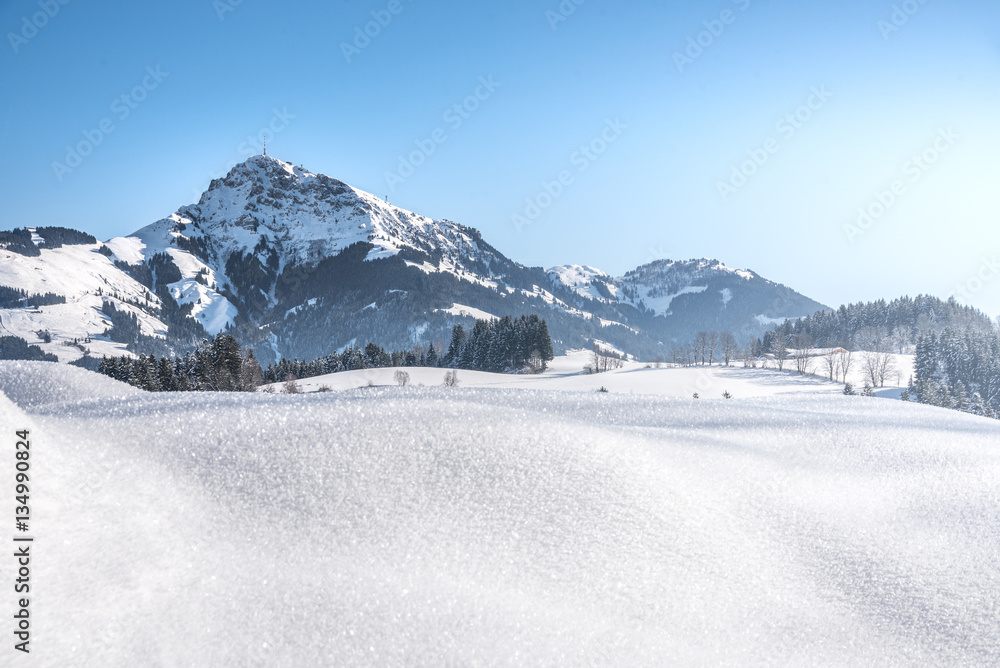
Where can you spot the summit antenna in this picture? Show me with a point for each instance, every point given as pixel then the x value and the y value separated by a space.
pixel 265 147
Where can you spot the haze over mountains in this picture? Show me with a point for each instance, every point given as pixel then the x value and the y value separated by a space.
pixel 298 264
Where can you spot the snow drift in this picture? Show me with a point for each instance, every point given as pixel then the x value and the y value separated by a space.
pixel 31 384
pixel 451 526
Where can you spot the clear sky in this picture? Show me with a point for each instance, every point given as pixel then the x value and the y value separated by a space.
pixel 746 130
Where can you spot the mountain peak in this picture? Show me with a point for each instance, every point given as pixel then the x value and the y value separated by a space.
pixel 263 169
pixel 694 266
pixel 269 162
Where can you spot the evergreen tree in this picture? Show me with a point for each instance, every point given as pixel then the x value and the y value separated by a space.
pixel 455 348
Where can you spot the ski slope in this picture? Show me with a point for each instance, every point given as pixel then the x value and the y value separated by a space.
pixel 86 279
pixel 503 526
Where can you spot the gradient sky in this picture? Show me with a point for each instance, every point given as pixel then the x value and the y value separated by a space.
pixel 228 70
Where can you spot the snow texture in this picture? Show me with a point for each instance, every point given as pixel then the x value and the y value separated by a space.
pixel 30 384
pixel 469 526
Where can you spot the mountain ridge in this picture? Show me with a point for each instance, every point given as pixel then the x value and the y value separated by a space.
pixel 298 263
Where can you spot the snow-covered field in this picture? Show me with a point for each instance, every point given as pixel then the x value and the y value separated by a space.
pixel 566 373
pixel 504 526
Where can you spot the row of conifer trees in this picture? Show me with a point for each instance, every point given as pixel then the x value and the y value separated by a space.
pixel 960 370
pixel 503 345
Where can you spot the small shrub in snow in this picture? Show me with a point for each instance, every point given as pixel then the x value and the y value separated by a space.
pixel 402 377
pixel 451 378
pixel 849 389
pixel 726 395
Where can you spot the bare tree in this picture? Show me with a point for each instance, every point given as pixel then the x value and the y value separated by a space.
pixel 874 339
pixel 845 360
pixel 451 378
pixel 803 353
pixel 729 346
pixel 291 387
pixel 752 354
pixel 251 376
pixel 534 363
pixel 900 338
pixel 605 360
pixel 701 344
pixel 713 345
pixel 779 350
pixel 878 367
pixel 402 377
pixel 830 364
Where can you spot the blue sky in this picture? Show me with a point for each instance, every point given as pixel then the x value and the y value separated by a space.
pixel 755 132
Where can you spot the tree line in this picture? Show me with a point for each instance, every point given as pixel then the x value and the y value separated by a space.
pixel 19 240
pixel 16 348
pixel 215 365
pixel 958 370
pixel 880 325
pixel 16 298
pixel 500 345
pixel 504 345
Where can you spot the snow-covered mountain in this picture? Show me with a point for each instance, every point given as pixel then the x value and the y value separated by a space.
pixel 299 264
pixel 680 298
pixel 267 216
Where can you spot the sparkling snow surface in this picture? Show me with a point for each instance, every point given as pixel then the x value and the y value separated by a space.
pixel 462 526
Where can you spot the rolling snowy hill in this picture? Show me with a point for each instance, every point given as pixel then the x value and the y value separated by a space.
pixel 468 526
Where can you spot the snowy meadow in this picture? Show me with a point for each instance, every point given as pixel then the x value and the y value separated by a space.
pixel 504 525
